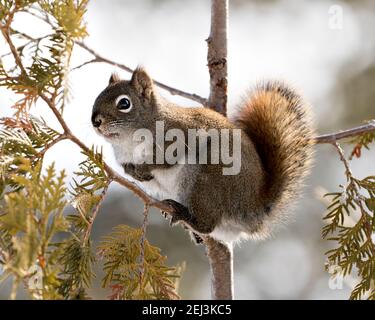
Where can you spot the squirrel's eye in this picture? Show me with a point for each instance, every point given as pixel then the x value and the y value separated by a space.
pixel 123 103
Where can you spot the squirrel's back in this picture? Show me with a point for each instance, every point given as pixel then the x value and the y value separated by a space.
pixel 279 124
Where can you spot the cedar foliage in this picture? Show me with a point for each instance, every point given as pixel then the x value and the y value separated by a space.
pixel 45 225
pixel 48 251
pixel 351 226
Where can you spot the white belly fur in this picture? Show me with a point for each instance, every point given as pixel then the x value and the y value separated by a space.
pixel 165 184
pixel 229 232
pixel 166 181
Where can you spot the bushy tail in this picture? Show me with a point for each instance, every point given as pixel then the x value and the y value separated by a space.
pixel 279 124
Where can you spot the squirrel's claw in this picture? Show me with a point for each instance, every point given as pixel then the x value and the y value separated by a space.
pixel 179 212
pixel 197 238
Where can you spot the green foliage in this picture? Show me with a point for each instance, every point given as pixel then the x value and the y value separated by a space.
pixel 130 276
pixel 7 6
pixel 77 263
pixel 75 254
pixel 355 251
pixel 89 190
pixel 68 264
pixel 48 71
pixel 25 137
pixel 31 217
pixel 68 15
pixel 92 173
pixel 44 246
pixel 49 251
pixel 21 139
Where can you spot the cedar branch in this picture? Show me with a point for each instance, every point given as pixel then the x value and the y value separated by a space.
pixel 95 213
pixel 358 198
pixel 219 254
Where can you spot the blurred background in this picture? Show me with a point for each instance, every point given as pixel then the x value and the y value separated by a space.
pixel 324 48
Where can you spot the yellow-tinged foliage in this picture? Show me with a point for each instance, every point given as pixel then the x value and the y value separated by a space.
pixel 42 247
pixel 49 251
pixel 355 247
pixel 31 217
pixel 131 275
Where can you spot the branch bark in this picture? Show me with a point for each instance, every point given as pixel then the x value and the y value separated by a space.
pixel 171 90
pixel 333 137
pixel 217 56
pixel 5 32
pixel 219 254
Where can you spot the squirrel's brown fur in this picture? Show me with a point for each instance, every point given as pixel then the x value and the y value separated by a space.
pixel 279 124
pixel 275 155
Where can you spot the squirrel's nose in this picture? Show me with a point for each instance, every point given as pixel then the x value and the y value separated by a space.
pixel 96 120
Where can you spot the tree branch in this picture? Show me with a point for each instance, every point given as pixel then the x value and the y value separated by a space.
pixel 99 58
pixel 333 137
pixel 95 213
pixel 173 91
pixel 50 145
pixel 5 31
pixel 142 244
pixel 114 176
pixel 85 64
pixel 219 254
pixel 217 56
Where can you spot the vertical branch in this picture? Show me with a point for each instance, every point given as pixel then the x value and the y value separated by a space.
pixel 95 213
pixel 219 254
pixel 217 56
pixel 142 255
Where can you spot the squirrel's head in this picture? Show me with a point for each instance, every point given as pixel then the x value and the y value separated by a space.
pixel 125 106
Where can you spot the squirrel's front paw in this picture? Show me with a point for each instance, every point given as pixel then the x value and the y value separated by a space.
pixel 179 211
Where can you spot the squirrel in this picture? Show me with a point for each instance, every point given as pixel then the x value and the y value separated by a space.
pixel 275 128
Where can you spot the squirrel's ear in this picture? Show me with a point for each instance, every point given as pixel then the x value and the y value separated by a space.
pixel 114 78
pixel 142 82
